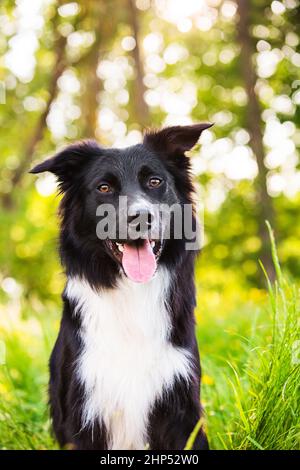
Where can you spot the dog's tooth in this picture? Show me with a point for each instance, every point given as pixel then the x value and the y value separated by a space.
pixel 120 247
pixel 152 244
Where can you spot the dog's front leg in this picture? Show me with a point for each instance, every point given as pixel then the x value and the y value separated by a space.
pixel 174 418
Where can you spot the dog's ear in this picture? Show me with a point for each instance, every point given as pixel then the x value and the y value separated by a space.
pixel 67 163
pixel 175 140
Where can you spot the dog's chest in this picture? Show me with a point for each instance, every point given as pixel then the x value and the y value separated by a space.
pixel 127 360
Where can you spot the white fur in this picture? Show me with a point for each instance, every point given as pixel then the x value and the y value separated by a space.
pixel 127 360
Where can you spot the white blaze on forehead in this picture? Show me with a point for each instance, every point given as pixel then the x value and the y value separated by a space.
pixel 140 203
pixel 127 360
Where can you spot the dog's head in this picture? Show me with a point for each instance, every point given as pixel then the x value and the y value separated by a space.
pixel 120 201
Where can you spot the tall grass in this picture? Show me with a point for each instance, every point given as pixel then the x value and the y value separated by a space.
pixel 257 402
pixel 24 421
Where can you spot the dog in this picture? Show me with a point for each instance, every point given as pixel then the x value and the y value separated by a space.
pixel 125 369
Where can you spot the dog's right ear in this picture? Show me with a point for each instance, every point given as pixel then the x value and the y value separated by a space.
pixel 67 163
pixel 175 140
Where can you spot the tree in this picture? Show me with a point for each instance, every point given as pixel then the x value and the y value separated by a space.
pixel 59 66
pixel 101 22
pixel 140 105
pixel 265 210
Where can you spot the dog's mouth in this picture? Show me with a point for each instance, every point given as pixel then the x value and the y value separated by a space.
pixel 138 258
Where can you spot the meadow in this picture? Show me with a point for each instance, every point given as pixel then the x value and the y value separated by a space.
pixel 108 70
pixel 251 370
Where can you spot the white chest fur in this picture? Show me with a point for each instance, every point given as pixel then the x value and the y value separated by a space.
pixel 127 360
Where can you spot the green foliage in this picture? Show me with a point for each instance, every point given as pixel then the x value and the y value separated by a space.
pixel 255 398
pixel 24 422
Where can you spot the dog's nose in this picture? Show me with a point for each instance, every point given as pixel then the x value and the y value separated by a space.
pixel 142 217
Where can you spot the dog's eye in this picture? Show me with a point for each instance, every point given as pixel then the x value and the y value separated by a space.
pixel 104 188
pixel 154 182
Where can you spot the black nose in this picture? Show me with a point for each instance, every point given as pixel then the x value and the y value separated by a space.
pixel 142 218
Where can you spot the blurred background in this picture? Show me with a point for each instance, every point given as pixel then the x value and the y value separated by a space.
pixel 108 69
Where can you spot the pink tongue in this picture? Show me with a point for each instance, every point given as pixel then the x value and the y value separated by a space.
pixel 139 263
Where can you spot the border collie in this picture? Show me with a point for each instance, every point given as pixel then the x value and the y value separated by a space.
pixel 125 369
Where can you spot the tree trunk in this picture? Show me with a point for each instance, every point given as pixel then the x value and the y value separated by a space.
pixel 141 108
pixel 89 104
pixel 96 13
pixel 265 208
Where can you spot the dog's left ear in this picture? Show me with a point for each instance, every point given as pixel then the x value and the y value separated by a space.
pixel 175 140
pixel 67 163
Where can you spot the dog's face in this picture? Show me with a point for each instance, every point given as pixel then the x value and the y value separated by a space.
pixel 125 189
pixel 120 199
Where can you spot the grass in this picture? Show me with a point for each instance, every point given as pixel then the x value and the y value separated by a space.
pixel 251 373
pixel 24 420
pixel 253 400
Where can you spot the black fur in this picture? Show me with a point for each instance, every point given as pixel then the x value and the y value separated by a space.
pixel 79 169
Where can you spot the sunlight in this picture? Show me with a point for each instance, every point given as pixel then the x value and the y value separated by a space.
pixel 62 113
pixel 277 7
pixel 153 42
pixel 132 138
pixel 180 103
pixel 283 104
pixel 267 62
pixel 20 58
pixel 233 159
pixel 176 10
pixel 216 194
pixel 108 72
pixel 79 39
pixel 33 104
pixel 154 63
pixel 204 23
pixel 106 119
pixel 46 185
pixel 128 43
pixel 11 287
pixel 228 9
pixel 240 164
pixel 143 4
pixel 69 83
pixel 202 13
pixel 69 9
pixel 174 53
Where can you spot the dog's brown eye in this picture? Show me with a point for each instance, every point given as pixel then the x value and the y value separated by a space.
pixel 154 182
pixel 104 188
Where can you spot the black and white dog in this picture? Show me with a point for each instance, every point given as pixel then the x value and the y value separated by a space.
pixel 125 369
